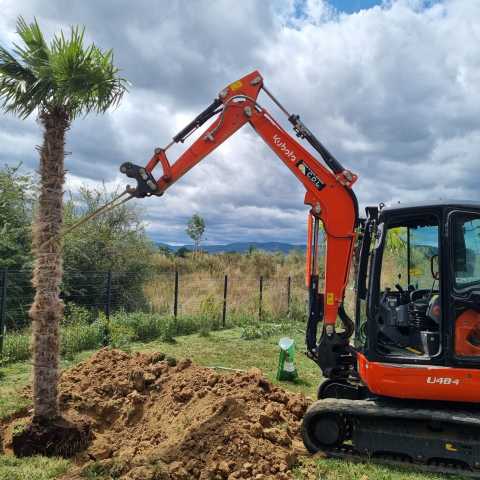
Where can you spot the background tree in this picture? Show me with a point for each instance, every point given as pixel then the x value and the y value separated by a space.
pixel 58 81
pixel 114 241
pixel 165 250
pixel 16 206
pixel 182 252
pixel 17 196
pixel 195 230
pixel 397 240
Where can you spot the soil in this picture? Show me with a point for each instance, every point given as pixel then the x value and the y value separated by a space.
pixel 155 419
pixel 57 438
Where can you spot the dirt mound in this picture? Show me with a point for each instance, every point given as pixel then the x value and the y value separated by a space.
pixel 154 419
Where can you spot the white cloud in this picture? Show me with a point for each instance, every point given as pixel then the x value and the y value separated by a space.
pixel 391 90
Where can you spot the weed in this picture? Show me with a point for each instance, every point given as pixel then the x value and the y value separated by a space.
pixel 187 324
pixel 260 330
pixel 210 313
pixel 298 309
pixel 79 336
pixel 204 330
pixel 16 347
pixel 19 427
pixel 38 468
pixel 121 336
pixel 169 331
pixel 101 470
pixel 171 361
pixel 75 314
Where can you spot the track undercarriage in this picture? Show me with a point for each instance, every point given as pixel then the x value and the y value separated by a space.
pixel 434 439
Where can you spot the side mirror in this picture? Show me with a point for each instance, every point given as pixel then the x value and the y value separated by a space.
pixel 434 267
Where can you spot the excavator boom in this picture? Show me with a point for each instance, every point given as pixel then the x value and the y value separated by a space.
pixel 328 186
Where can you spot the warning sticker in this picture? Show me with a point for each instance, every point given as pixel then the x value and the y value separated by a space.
pixel 330 298
pixel 235 85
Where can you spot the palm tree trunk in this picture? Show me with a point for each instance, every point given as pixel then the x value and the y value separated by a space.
pixel 47 309
pixel 49 433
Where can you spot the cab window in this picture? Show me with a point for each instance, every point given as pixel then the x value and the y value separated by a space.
pixel 409 310
pixel 466 251
pixel 466 273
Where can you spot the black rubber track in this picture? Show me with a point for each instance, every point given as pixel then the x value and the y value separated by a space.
pixel 384 409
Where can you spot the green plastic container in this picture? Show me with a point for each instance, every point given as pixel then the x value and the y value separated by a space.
pixel 286 360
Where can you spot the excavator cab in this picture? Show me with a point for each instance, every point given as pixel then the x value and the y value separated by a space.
pixel 418 286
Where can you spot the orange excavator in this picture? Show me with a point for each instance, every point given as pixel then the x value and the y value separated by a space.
pixel 401 380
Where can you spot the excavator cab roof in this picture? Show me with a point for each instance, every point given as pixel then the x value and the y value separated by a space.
pixel 432 204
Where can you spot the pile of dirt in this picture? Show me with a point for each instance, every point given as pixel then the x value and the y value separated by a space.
pixel 156 419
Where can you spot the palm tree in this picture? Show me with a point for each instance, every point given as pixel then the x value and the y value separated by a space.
pixel 58 81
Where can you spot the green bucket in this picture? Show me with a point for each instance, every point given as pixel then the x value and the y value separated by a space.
pixel 286 360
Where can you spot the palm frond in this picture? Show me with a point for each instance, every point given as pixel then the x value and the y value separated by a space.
pixel 16 83
pixel 64 75
pixel 36 50
pixel 86 74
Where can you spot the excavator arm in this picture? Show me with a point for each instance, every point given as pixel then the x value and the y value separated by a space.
pixel 328 193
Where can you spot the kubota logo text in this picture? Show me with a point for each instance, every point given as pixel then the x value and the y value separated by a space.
pixel 283 147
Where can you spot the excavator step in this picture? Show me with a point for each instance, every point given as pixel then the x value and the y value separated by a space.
pixel 436 439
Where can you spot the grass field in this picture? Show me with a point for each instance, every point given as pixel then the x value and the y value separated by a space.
pixel 225 348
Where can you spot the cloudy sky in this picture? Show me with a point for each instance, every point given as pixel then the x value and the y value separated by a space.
pixel 391 88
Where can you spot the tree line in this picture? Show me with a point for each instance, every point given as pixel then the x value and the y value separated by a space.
pixel 115 241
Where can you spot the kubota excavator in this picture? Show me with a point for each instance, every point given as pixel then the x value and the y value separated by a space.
pixel 401 380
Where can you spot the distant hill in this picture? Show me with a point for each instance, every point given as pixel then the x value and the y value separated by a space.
pixel 241 247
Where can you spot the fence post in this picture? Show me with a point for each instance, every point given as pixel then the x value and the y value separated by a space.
pixel 175 299
pixel 225 290
pixel 260 299
pixel 289 294
pixel 3 308
pixel 108 303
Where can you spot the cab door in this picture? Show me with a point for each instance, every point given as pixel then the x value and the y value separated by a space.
pixel 463 305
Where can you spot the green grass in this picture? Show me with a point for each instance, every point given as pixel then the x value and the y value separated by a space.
pixel 223 348
pixel 227 348
pixel 14 377
pixel 34 468
pixel 324 469
pixel 16 347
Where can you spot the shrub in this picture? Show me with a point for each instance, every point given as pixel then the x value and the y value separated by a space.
pixel 114 241
pixel 16 347
pixel 169 331
pixel 143 326
pixel 78 314
pixel 298 310
pixel 260 330
pixel 80 336
pixel 238 318
pixel 131 327
pixel 210 314
pixel 121 336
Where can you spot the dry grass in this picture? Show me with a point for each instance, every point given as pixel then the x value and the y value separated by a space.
pixel 201 278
